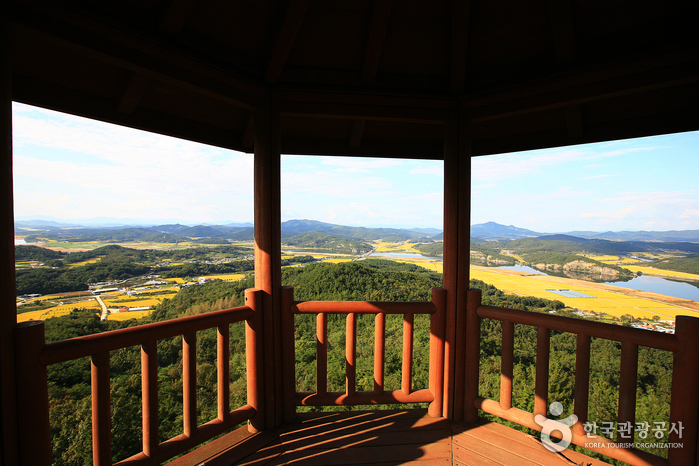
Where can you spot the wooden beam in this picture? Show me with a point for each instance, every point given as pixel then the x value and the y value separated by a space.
pixel 249 133
pixel 139 53
pixel 377 34
pixel 459 44
pixel 9 453
pixel 357 132
pixel 362 112
pixel 574 121
pixel 176 16
pixel 48 95
pixel 285 40
pixel 130 96
pixel 417 150
pixel 561 13
pixel 590 86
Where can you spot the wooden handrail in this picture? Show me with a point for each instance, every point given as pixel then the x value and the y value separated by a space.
pixel 364 307
pixel 80 347
pixel 685 383
pixel 379 395
pixel 637 336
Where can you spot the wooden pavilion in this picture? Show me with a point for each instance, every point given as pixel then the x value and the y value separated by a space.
pixel 444 80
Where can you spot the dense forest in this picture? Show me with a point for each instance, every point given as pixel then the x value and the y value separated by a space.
pixel 361 280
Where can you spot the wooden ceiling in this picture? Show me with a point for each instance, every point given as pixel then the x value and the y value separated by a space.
pixel 366 77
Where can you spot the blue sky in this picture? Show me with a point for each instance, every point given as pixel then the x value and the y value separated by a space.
pixel 73 168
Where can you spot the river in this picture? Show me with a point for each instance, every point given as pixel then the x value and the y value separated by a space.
pixel 678 289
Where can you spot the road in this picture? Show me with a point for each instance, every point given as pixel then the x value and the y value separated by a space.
pixel 105 312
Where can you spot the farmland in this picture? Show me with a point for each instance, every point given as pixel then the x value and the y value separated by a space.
pixel 605 299
pixel 187 262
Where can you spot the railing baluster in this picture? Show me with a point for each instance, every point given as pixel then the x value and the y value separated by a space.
pixel 506 364
pixel 101 416
pixel 322 354
pixel 541 390
pixel 582 381
pixel 627 387
pixel 223 370
pixel 406 385
pixel 189 383
pixel 149 393
pixel 379 352
pixel 351 354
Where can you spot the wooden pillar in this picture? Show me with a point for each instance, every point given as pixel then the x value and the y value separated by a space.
pixel 457 217
pixel 8 309
pixel 268 252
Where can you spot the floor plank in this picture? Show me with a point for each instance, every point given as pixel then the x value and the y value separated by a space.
pixel 388 438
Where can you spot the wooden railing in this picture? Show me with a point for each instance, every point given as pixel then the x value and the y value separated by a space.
pixel 34 355
pixel 685 380
pixel 407 393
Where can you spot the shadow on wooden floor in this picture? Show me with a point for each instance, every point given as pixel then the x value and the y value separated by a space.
pixel 385 438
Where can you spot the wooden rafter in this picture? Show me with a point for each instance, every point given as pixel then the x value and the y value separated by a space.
pixel 561 12
pixel 459 44
pixel 99 41
pixel 377 34
pixel 176 16
pixel 249 133
pixel 594 85
pixel 285 40
pixel 130 96
pixel 357 133
pixel 574 121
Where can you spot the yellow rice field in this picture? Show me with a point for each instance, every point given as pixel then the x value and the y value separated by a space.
pixel 337 260
pixel 614 301
pixel 383 246
pixel 177 280
pixel 231 277
pixel 90 261
pixel 57 311
pixel 116 303
pixel 662 273
pixel 128 315
pixel 614 260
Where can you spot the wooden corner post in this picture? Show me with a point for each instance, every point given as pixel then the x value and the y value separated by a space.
pixel 684 403
pixel 9 452
pixel 33 395
pixel 268 253
pixel 457 217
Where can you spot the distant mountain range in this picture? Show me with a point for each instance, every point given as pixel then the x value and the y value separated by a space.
pixel 176 232
pixel 492 231
pixel 110 229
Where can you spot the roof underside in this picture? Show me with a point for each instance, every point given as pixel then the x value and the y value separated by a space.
pixel 366 77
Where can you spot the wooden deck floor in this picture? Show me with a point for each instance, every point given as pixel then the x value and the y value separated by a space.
pixel 398 438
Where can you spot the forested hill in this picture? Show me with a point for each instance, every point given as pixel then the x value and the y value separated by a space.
pixel 367 280
pixel 323 242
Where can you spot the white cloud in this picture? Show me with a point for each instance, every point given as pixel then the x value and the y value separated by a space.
pixel 124 171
